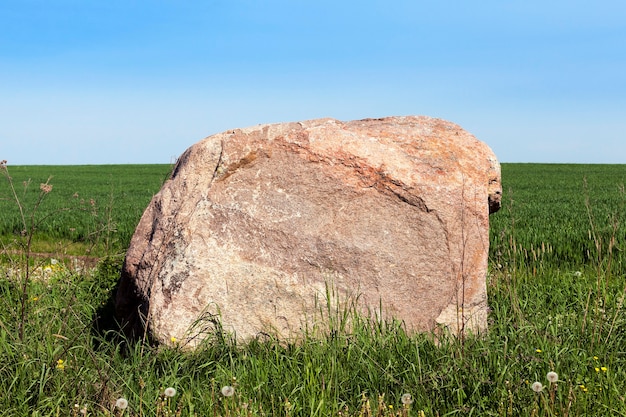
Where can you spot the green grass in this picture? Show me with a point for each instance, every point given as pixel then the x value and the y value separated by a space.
pixel 559 310
pixel 547 210
pixel 91 208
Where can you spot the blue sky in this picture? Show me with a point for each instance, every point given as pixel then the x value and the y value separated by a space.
pixel 137 81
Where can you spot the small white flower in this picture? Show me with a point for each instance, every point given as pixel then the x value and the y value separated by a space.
pixel 228 391
pixel 406 399
pixel 170 392
pixel 552 376
pixel 536 386
pixel 121 403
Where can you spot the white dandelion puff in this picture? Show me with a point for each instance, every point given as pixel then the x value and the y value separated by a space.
pixel 170 392
pixel 536 386
pixel 228 391
pixel 552 376
pixel 121 403
pixel 406 399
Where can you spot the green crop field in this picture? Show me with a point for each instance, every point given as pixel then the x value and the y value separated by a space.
pixel 91 208
pixel 556 289
pixel 559 215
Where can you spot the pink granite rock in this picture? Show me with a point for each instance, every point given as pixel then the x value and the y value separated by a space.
pixel 256 224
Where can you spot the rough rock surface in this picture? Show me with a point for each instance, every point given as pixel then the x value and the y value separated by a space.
pixel 257 226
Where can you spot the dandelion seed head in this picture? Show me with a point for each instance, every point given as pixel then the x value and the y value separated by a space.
pixel 536 386
pixel 406 399
pixel 552 376
pixel 121 403
pixel 228 391
pixel 170 392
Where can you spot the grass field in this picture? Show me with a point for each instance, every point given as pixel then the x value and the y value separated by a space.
pixel 92 209
pixel 559 214
pixel 556 292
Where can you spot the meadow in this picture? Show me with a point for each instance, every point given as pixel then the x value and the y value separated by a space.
pixel 92 210
pixel 556 292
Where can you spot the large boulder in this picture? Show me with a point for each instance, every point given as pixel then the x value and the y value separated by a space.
pixel 258 229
